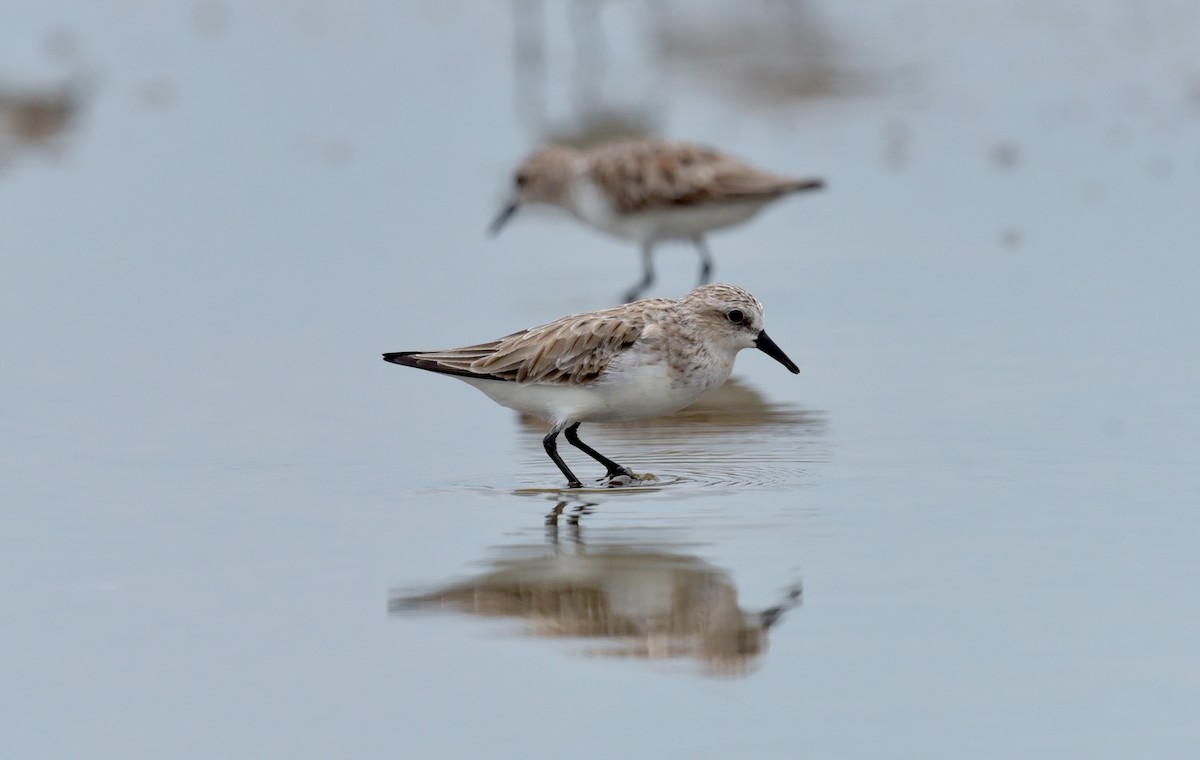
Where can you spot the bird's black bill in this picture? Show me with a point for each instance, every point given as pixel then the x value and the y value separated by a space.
pixel 764 343
pixel 503 218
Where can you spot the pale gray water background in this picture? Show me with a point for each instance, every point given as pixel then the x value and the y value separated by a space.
pixel 985 477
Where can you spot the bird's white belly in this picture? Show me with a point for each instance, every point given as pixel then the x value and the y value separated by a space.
pixel 637 392
pixel 678 223
pixel 685 222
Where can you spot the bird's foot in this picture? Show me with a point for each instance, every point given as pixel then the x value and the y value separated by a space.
pixel 625 477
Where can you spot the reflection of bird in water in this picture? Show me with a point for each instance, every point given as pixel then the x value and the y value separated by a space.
pixel 649 191
pixel 644 603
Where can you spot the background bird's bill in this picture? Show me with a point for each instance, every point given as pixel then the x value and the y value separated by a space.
pixel 764 343
pixel 505 214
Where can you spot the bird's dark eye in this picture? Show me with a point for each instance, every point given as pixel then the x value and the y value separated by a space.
pixel 736 316
pixel 522 180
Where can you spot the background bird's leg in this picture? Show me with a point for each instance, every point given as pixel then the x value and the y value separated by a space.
pixel 551 445
pixel 647 274
pixel 706 261
pixel 614 469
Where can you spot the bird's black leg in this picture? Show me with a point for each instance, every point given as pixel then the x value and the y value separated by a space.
pixel 614 469
pixel 706 262
pixel 551 445
pixel 647 274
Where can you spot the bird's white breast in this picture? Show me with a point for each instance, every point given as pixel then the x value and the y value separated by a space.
pixel 591 205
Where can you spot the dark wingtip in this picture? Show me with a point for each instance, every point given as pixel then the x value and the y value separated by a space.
pixel 402 358
pixel 414 359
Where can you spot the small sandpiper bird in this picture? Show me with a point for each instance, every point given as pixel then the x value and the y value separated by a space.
pixel 643 359
pixel 649 191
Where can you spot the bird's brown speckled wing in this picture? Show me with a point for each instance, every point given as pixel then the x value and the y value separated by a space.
pixel 649 175
pixel 569 351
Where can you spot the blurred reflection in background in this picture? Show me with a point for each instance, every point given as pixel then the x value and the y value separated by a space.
pixel 36 119
pixel 632 601
pixel 758 52
pixel 593 117
pixel 761 52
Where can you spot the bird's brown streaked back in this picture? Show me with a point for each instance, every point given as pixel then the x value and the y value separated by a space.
pixel 649 175
pixel 572 350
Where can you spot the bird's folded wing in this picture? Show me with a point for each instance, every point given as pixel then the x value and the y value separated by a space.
pixel 649 176
pixel 572 350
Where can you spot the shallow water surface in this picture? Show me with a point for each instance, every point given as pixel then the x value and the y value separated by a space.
pixel 966 529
